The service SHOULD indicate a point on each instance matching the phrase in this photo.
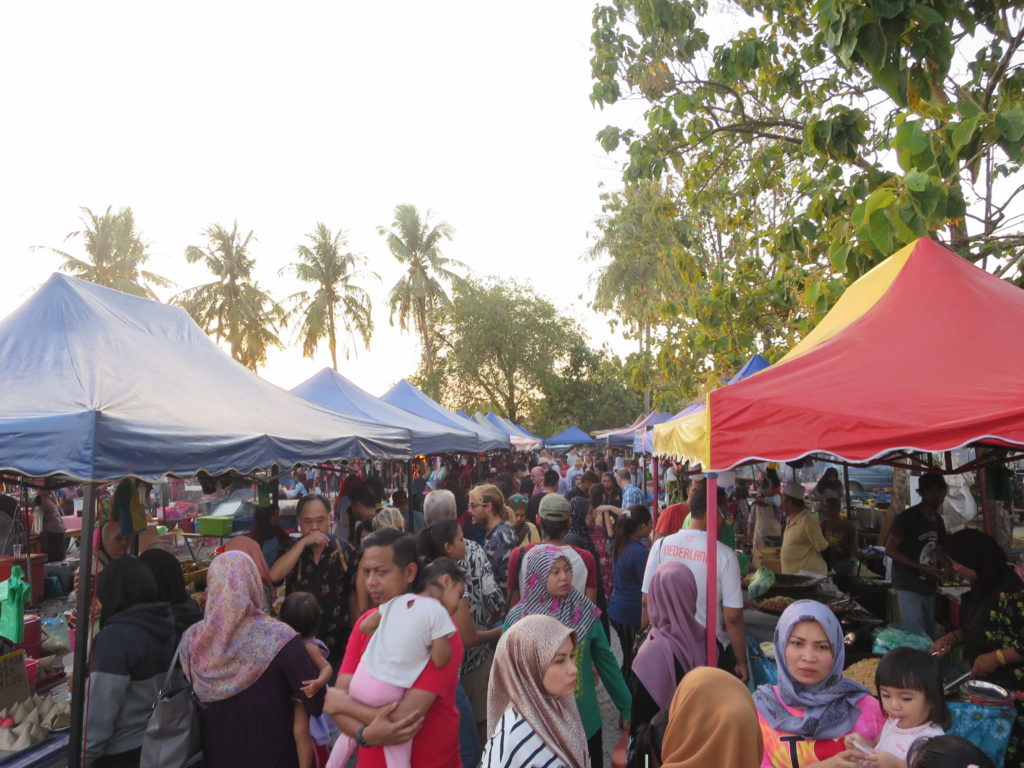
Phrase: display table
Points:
(50, 754)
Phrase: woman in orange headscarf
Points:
(712, 721)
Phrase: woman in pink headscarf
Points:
(245, 669)
(674, 646)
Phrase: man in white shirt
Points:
(689, 546)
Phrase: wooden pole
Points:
(76, 751)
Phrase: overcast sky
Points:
(282, 115)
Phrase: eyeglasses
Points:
(475, 504)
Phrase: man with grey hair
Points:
(438, 506)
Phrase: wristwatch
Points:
(360, 740)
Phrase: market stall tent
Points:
(407, 397)
(924, 353)
(520, 438)
(681, 432)
(98, 385)
(518, 442)
(332, 390)
(571, 436)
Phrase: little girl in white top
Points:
(408, 631)
(909, 686)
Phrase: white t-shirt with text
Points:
(690, 547)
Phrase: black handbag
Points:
(173, 737)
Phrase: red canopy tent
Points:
(923, 353)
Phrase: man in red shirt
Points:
(427, 713)
(671, 518)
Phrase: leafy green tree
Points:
(809, 146)
(336, 297)
(416, 243)
(708, 304)
(592, 390)
(497, 344)
(233, 307)
(115, 254)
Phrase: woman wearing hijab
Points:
(531, 714)
(712, 721)
(112, 544)
(266, 532)
(991, 620)
(170, 587)
(548, 591)
(245, 669)
(249, 547)
(131, 654)
(581, 525)
(675, 642)
(813, 701)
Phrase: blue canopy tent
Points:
(571, 436)
(407, 397)
(332, 390)
(462, 413)
(99, 385)
(518, 437)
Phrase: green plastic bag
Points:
(13, 593)
(763, 580)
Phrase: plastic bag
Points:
(763, 580)
(891, 637)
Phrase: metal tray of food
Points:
(791, 581)
(984, 692)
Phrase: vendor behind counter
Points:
(991, 620)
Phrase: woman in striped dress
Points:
(531, 711)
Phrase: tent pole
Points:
(846, 489)
(984, 497)
(83, 627)
(654, 507)
(711, 592)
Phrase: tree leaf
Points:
(915, 180)
(1010, 122)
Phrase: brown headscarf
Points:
(712, 721)
(523, 655)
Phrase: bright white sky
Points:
(282, 115)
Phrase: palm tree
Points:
(416, 244)
(328, 266)
(232, 307)
(116, 253)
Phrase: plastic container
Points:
(32, 641)
(215, 526)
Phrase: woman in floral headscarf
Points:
(245, 669)
(548, 591)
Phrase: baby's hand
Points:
(310, 688)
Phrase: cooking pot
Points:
(868, 518)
